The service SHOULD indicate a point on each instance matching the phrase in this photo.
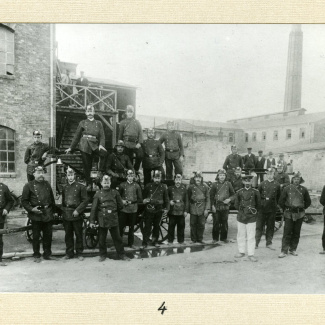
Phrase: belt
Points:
(111, 211)
(151, 156)
(294, 209)
(89, 136)
(172, 150)
(71, 206)
(41, 206)
(130, 138)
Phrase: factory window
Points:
(263, 136)
(231, 137)
(254, 136)
(246, 137)
(302, 133)
(6, 51)
(275, 135)
(7, 150)
(288, 134)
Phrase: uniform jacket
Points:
(74, 197)
(153, 154)
(199, 198)
(259, 162)
(249, 161)
(118, 163)
(270, 194)
(173, 144)
(247, 202)
(179, 195)
(105, 207)
(130, 131)
(322, 199)
(233, 161)
(6, 201)
(269, 163)
(87, 127)
(33, 155)
(282, 179)
(158, 195)
(38, 194)
(294, 197)
(84, 82)
(220, 192)
(131, 192)
(237, 183)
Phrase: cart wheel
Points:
(29, 232)
(90, 235)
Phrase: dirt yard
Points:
(191, 269)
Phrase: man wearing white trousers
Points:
(247, 202)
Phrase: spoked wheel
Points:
(29, 232)
(90, 235)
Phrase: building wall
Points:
(25, 96)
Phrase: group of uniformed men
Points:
(115, 205)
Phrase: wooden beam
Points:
(106, 122)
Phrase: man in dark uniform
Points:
(221, 194)
(237, 181)
(117, 165)
(232, 161)
(294, 200)
(82, 82)
(106, 204)
(38, 201)
(35, 154)
(174, 152)
(91, 138)
(130, 131)
(178, 210)
(199, 204)
(153, 156)
(74, 203)
(322, 202)
(249, 160)
(260, 160)
(157, 203)
(270, 194)
(131, 195)
(247, 202)
(281, 177)
(6, 203)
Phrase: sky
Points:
(207, 72)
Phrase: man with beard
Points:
(35, 154)
(294, 200)
(174, 152)
(91, 138)
(106, 204)
(157, 203)
(199, 204)
(221, 194)
(117, 165)
(249, 160)
(74, 203)
(153, 156)
(130, 131)
(38, 201)
(232, 162)
(237, 182)
(131, 195)
(281, 177)
(270, 194)
(178, 210)
(260, 160)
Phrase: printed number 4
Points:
(162, 308)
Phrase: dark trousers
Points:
(323, 237)
(220, 225)
(151, 222)
(87, 161)
(197, 227)
(30, 177)
(174, 221)
(169, 167)
(266, 219)
(46, 229)
(1, 242)
(136, 161)
(117, 240)
(73, 228)
(291, 234)
(260, 178)
(147, 174)
(127, 219)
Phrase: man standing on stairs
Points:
(91, 139)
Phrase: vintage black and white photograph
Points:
(162, 158)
